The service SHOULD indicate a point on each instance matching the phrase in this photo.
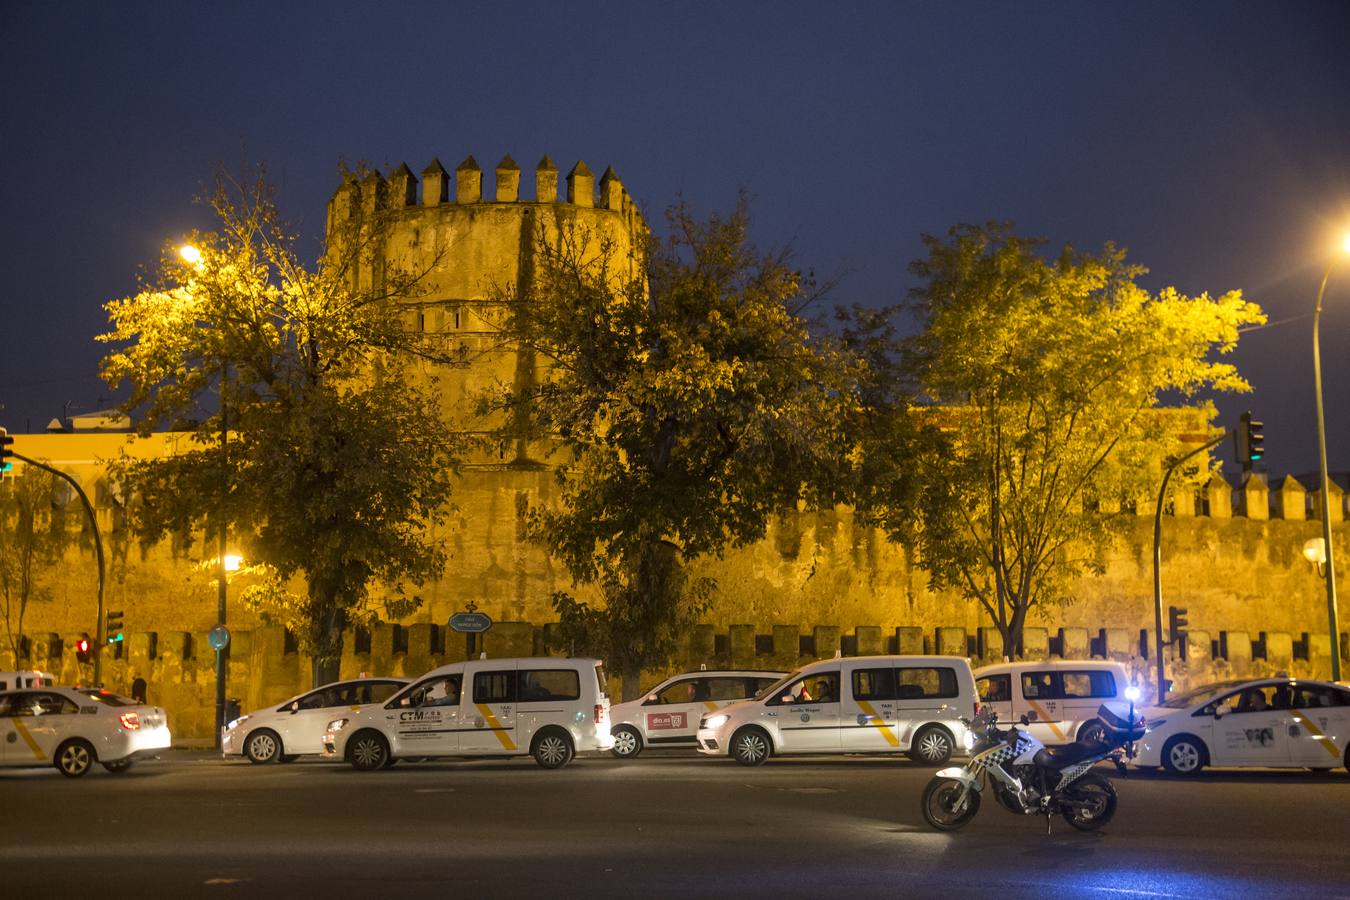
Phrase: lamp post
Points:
(1326, 484)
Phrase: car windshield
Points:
(1200, 695)
(768, 691)
(108, 698)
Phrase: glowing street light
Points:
(1326, 484)
(190, 254)
(233, 562)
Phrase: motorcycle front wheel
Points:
(1089, 803)
(940, 804)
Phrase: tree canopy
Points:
(310, 436)
(1041, 378)
(694, 403)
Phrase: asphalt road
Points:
(664, 825)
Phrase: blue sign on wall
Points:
(470, 622)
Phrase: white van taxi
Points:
(296, 726)
(29, 678)
(862, 704)
(668, 715)
(73, 728)
(550, 708)
(1064, 694)
(1268, 722)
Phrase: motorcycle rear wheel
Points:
(1089, 803)
(939, 802)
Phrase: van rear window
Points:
(549, 684)
(600, 678)
(929, 682)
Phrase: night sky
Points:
(1212, 140)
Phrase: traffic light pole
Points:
(1157, 560)
(98, 550)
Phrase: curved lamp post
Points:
(1326, 486)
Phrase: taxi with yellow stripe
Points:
(75, 728)
(1277, 722)
(912, 705)
(668, 715)
(1060, 696)
(550, 708)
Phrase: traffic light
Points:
(5, 453)
(1176, 624)
(1250, 441)
(82, 649)
(114, 629)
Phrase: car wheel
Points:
(552, 750)
(74, 757)
(627, 743)
(751, 747)
(932, 746)
(1092, 730)
(368, 751)
(1184, 755)
(118, 767)
(263, 747)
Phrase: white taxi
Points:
(73, 728)
(295, 727)
(1270, 722)
(668, 715)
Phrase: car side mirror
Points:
(651, 698)
(786, 698)
(1028, 717)
(295, 707)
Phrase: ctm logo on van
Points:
(420, 715)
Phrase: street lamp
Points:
(1326, 482)
(1315, 552)
(190, 254)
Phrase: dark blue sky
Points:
(1212, 140)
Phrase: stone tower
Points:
(479, 251)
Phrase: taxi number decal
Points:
(667, 720)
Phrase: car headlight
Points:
(715, 721)
(337, 725)
(239, 721)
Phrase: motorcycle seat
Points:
(1068, 755)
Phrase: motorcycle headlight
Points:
(337, 725)
(239, 721)
(969, 741)
(715, 721)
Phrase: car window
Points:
(722, 689)
(108, 698)
(538, 685)
(1254, 699)
(759, 685)
(818, 687)
(1042, 686)
(313, 700)
(935, 682)
(5, 702)
(1093, 683)
(378, 691)
(683, 691)
(1316, 696)
(874, 684)
(994, 688)
(494, 687)
(43, 704)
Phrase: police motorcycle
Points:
(1027, 778)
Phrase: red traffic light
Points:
(82, 648)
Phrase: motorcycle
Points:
(1027, 778)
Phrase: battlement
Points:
(400, 189)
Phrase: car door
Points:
(1318, 725)
(490, 715)
(11, 751)
(808, 714)
(1043, 694)
(45, 719)
(425, 718)
(868, 720)
(1083, 693)
(671, 714)
(1248, 729)
(301, 722)
(996, 693)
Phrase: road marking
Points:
(878, 723)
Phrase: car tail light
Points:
(978, 707)
(130, 721)
(599, 713)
